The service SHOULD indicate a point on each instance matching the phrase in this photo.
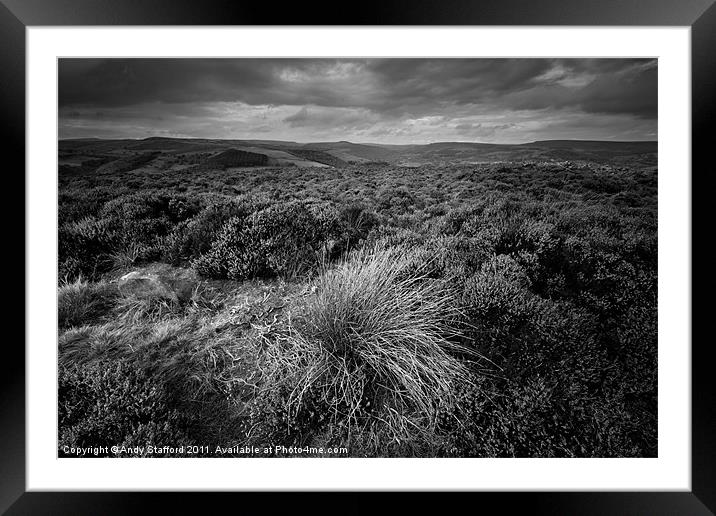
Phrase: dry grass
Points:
(81, 302)
(125, 257)
(199, 346)
(371, 345)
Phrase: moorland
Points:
(452, 299)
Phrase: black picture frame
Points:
(17, 15)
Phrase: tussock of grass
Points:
(371, 345)
(125, 257)
(81, 302)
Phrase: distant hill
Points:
(182, 152)
(236, 158)
(130, 162)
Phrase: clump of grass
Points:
(125, 257)
(371, 346)
(133, 309)
(81, 302)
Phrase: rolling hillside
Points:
(178, 153)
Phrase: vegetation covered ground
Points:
(497, 310)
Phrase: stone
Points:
(159, 281)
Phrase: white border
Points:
(671, 470)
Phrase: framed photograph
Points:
(447, 248)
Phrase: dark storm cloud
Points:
(401, 100)
(463, 81)
(122, 82)
(597, 86)
(418, 86)
(635, 93)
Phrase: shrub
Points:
(193, 238)
(558, 385)
(523, 333)
(525, 419)
(85, 247)
(282, 239)
(392, 236)
(126, 229)
(135, 206)
(545, 416)
(75, 206)
(400, 198)
(603, 183)
(111, 403)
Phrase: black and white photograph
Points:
(357, 257)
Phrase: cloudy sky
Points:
(360, 100)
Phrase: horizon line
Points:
(352, 142)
